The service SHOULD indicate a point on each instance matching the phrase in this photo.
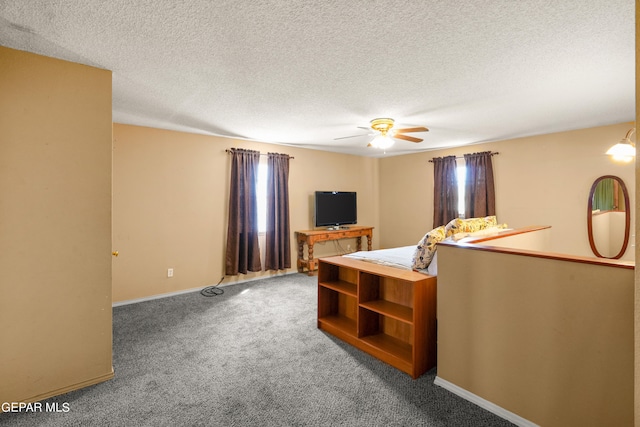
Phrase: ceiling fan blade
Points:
(351, 136)
(407, 138)
(416, 129)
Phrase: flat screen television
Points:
(335, 208)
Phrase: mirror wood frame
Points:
(627, 217)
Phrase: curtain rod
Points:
(262, 154)
(462, 157)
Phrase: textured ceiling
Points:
(306, 72)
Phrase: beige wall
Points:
(636, 207)
(55, 226)
(171, 199)
(540, 180)
(171, 196)
(550, 341)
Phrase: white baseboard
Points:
(467, 395)
(152, 297)
(187, 291)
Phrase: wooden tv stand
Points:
(310, 237)
(387, 312)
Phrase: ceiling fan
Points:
(385, 134)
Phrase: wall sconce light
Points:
(625, 150)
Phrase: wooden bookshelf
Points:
(387, 312)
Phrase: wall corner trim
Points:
(485, 404)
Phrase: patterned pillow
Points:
(490, 221)
(427, 248)
(470, 225)
(449, 228)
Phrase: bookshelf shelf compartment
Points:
(396, 311)
(391, 346)
(342, 287)
(340, 322)
(384, 311)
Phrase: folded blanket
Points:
(401, 257)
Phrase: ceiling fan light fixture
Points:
(382, 125)
(625, 150)
(382, 142)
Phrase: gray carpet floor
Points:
(252, 356)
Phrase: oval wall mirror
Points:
(608, 217)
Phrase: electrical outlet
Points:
(170, 272)
(348, 248)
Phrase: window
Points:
(261, 194)
(472, 178)
(461, 171)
